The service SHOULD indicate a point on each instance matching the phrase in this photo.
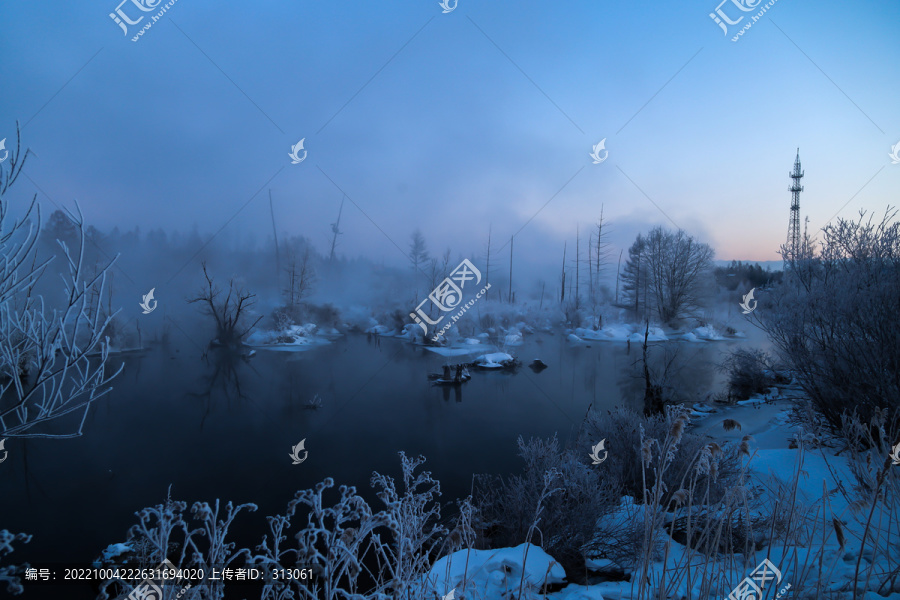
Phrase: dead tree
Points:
(301, 276)
(229, 314)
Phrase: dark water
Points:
(225, 430)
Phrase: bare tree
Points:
(680, 269)
(667, 273)
(47, 368)
(301, 276)
(562, 278)
(487, 272)
(229, 314)
(418, 256)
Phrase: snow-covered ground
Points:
(623, 332)
(293, 338)
(497, 574)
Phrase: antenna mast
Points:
(793, 236)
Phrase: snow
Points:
(291, 339)
(489, 574)
(580, 592)
(112, 552)
(708, 333)
(513, 339)
(495, 360)
(451, 351)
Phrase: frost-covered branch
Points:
(52, 357)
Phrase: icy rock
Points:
(537, 365)
(485, 573)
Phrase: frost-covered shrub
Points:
(748, 373)
(580, 496)
(621, 428)
(834, 318)
(10, 575)
(163, 533)
(355, 552)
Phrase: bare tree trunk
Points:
(509, 295)
(275, 235)
(618, 267)
(487, 271)
(577, 266)
(336, 230)
(562, 294)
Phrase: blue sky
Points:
(454, 122)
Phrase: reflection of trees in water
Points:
(222, 378)
(685, 372)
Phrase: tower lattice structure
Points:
(793, 237)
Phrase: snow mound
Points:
(472, 341)
(611, 333)
(495, 360)
(575, 339)
(495, 573)
(579, 592)
(708, 332)
(654, 335)
(112, 552)
(513, 339)
(294, 337)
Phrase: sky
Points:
(480, 118)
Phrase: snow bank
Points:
(293, 338)
(494, 573)
(612, 333)
(513, 339)
(708, 333)
(495, 360)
